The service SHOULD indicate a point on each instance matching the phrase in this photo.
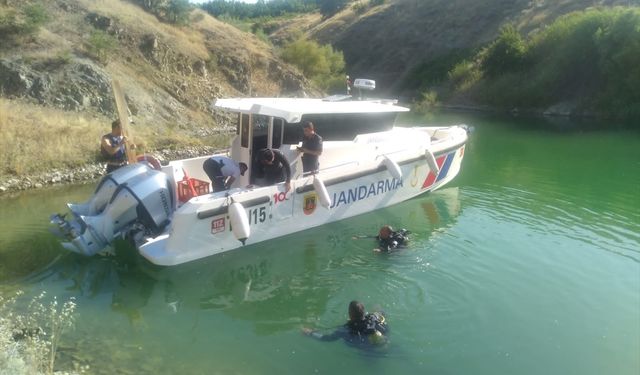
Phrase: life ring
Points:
(155, 164)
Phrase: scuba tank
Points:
(376, 328)
(372, 329)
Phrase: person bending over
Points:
(223, 171)
(274, 167)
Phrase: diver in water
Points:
(390, 240)
(362, 329)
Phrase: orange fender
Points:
(151, 160)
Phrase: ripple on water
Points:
(616, 229)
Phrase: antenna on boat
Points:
(364, 84)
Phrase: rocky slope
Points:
(170, 74)
(388, 42)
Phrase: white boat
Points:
(367, 164)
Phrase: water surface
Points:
(528, 263)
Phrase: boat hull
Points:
(202, 227)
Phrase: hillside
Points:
(55, 95)
(170, 75)
(389, 42)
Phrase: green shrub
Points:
(360, 7)
(435, 71)
(238, 23)
(428, 100)
(618, 50)
(22, 22)
(260, 34)
(333, 84)
(212, 64)
(330, 7)
(100, 45)
(35, 16)
(506, 53)
(587, 58)
(9, 24)
(313, 59)
(320, 63)
(464, 75)
(177, 12)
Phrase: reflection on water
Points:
(275, 287)
(530, 266)
(251, 283)
(26, 244)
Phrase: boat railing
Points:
(335, 166)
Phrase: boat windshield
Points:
(341, 126)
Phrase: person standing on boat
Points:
(223, 171)
(112, 147)
(362, 329)
(311, 148)
(274, 167)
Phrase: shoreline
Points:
(91, 172)
(87, 173)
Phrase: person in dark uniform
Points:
(274, 167)
(112, 147)
(389, 240)
(362, 329)
(223, 171)
(311, 148)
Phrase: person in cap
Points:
(223, 171)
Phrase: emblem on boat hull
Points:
(310, 202)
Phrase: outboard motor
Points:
(106, 188)
(142, 203)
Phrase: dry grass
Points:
(183, 40)
(35, 139)
(225, 37)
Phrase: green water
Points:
(528, 263)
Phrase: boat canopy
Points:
(292, 109)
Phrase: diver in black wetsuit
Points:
(390, 240)
(362, 329)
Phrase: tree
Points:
(178, 11)
(330, 7)
(506, 53)
(313, 59)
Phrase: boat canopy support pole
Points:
(270, 133)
